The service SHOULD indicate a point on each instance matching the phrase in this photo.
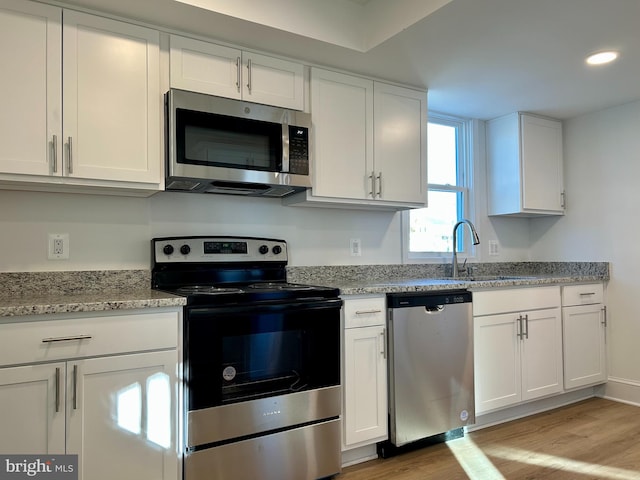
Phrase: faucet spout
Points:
(474, 238)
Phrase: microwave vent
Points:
(183, 185)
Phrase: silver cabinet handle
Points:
(379, 177)
(372, 180)
(383, 352)
(249, 75)
(70, 167)
(75, 387)
(519, 327)
(65, 339)
(54, 157)
(367, 312)
(587, 294)
(604, 322)
(562, 199)
(57, 389)
(526, 322)
(238, 70)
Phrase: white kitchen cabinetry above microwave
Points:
(102, 387)
(524, 166)
(369, 144)
(85, 110)
(229, 72)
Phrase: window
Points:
(428, 232)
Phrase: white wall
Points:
(602, 168)
(114, 232)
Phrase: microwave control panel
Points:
(298, 150)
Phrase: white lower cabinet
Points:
(364, 372)
(113, 406)
(518, 354)
(584, 324)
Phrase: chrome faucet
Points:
(475, 239)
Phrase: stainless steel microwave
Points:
(221, 145)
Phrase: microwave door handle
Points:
(285, 147)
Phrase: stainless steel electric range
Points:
(261, 366)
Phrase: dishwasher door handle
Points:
(433, 309)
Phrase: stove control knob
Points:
(185, 249)
(168, 249)
(263, 249)
(277, 249)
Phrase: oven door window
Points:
(222, 141)
(240, 354)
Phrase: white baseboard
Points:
(622, 390)
(359, 455)
(531, 408)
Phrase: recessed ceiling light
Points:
(601, 58)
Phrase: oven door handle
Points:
(288, 306)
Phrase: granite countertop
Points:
(382, 279)
(38, 293)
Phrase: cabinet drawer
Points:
(48, 340)
(364, 311)
(582, 294)
(515, 300)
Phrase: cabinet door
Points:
(272, 81)
(497, 361)
(541, 347)
(205, 67)
(400, 155)
(121, 415)
(112, 100)
(365, 385)
(32, 409)
(342, 115)
(584, 345)
(541, 151)
(30, 55)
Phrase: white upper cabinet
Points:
(31, 115)
(111, 94)
(107, 130)
(400, 119)
(369, 144)
(229, 72)
(525, 168)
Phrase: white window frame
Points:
(465, 184)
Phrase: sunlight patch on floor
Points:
(473, 460)
(566, 464)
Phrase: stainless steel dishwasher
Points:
(431, 388)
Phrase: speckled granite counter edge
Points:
(41, 293)
(363, 279)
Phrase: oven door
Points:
(253, 369)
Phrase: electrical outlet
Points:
(493, 248)
(58, 246)
(355, 247)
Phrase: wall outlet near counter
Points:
(355, 247)
(58, 246)
(493, 248)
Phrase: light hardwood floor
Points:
(593, 439)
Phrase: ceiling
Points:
(478, 58)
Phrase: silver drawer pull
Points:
(65, 339)
(367, 312)
(587, 294)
